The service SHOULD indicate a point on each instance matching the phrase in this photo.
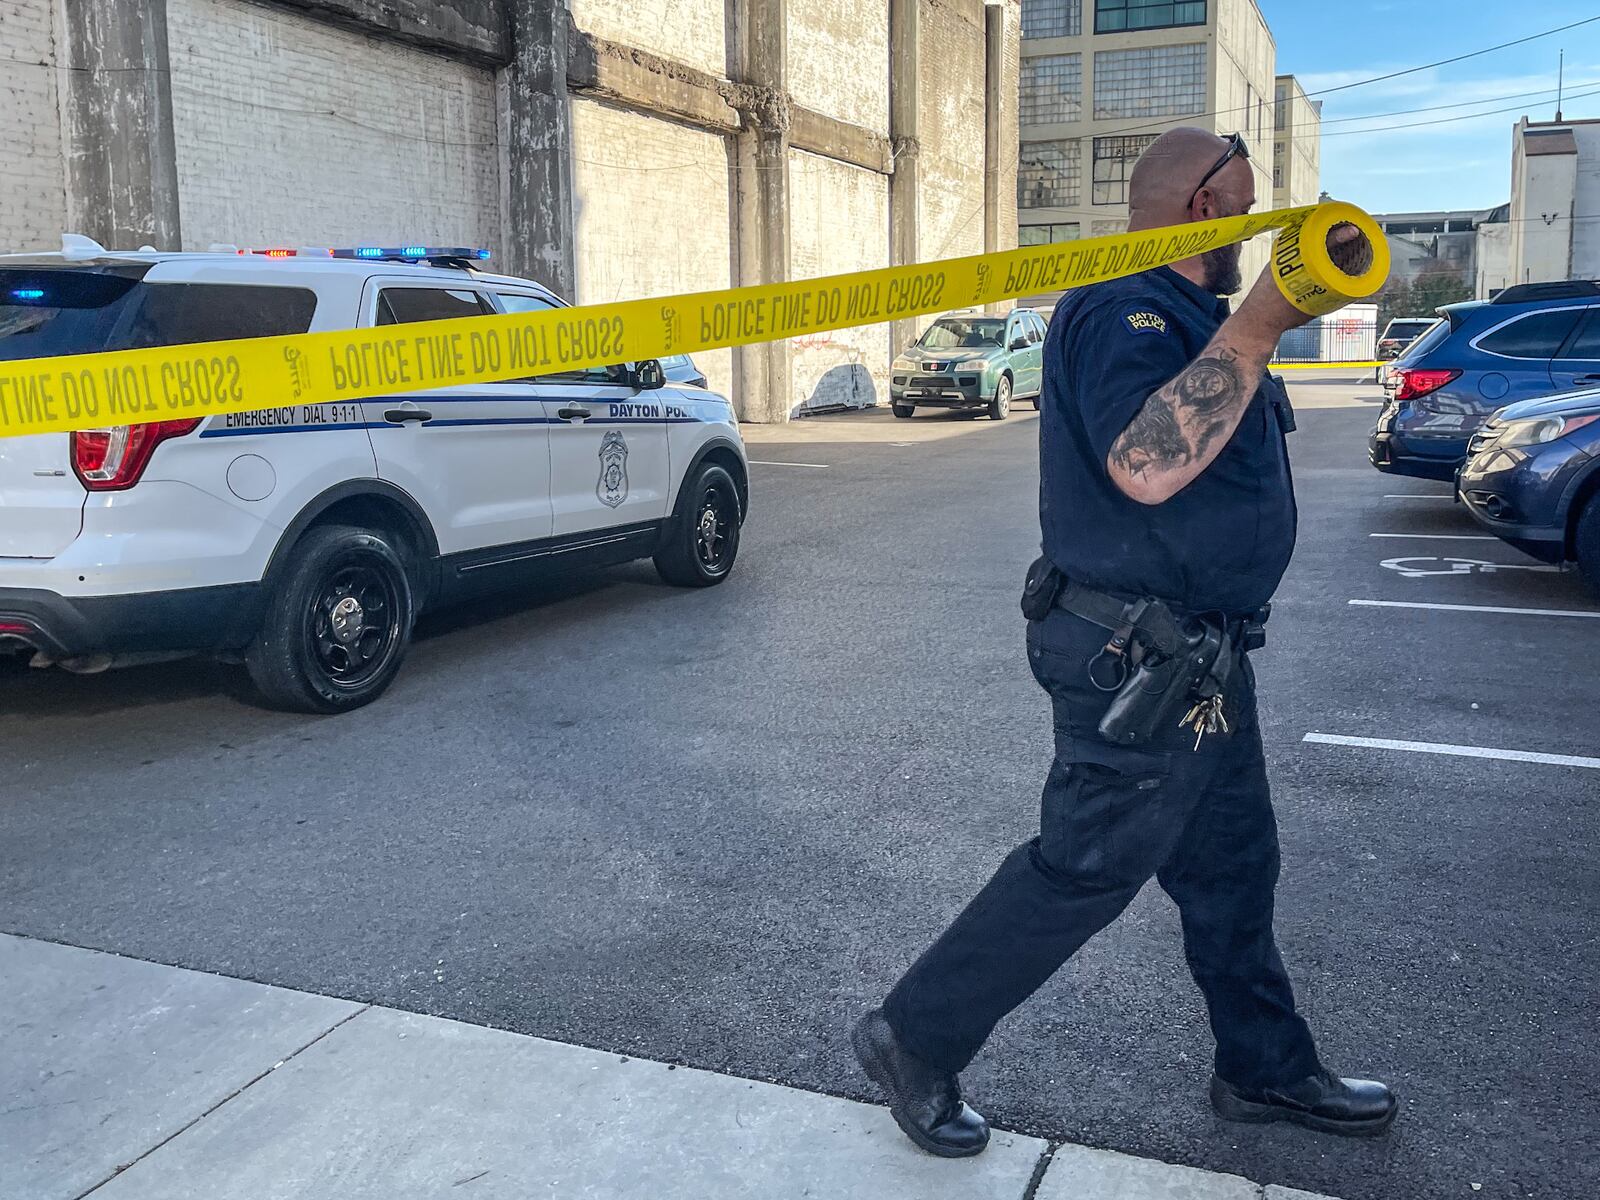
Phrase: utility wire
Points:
(1489, 112)
(1343, 87)
(1444, 62)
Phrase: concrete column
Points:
(539, 227)
(904, 126)
(761, 198)
(122, 164)
(994, 31)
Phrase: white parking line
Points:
(761, 462)
(1479, 608)
(1440, 537)
(1529, 756)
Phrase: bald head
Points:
(1168, 173)
(1165, 189)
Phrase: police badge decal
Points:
(613, 486)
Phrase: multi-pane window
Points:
(1113, 163)
(1280, 115)
(1152, 81)
(1115, 16)
(1049, 174)
(1041, 235)
(1052, 18)
(1052, 89)
(1277, 164)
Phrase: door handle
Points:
(1588, 379)
(573, 413)
(400, 416)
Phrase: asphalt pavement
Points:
(709, 827)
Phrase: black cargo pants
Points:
(1200, 821)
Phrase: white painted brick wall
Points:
(688, 31)
(839, 60)
(653, 214)
(33, 197)
(290, 131)
(839, 222)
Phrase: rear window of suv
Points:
(1538, 335)
(50, 312)
(1437, 332)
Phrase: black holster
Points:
(1159, 690)
(1156, 665)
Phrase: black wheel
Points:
(1000, 406)
(338, 622)
(1587, 543)
(702, 539)
(902, 410)
(1037, 404)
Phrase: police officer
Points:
(1164, 477)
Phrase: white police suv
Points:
(304, 541)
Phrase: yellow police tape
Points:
(127, 387)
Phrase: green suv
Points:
(971, 361)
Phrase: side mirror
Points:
(649, 375)
(1020, 342)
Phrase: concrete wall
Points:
(696, 32)
(33, 168)
(951, 105)
(1543, 195)
(839, 222)
(1586, 203)
(626, 165)
(839, 60)
(292, 130)
(1493, 255)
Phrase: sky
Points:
(1461, 164)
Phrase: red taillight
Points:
(1415, 382)
(110, 460)
(16, 627)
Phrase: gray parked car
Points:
(971, 361)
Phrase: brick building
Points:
(610, 149)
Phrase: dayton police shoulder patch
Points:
(1145, 321)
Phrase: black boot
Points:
(1352, 1107)
(924, 1101)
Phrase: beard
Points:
(1222, 274)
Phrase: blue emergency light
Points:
(412, 253)
(28, 294)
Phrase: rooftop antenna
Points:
(1561, 75)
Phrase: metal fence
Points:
(1349, 335)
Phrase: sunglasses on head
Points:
(1236, 149)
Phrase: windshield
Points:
(963, 333)
(50, 312)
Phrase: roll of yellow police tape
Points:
(129, 387)
(1305, 271)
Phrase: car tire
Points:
(1586, 543)
(902, 410)
(701, 541)
(1000, 406)
(1038, 404)
(338, 623)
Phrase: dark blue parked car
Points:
(1529, 341)
(1533, 477)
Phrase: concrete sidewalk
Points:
(126, 1079)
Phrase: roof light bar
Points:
(411, 253)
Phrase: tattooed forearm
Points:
(1182, 427)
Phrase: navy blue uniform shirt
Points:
(1222, 543)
